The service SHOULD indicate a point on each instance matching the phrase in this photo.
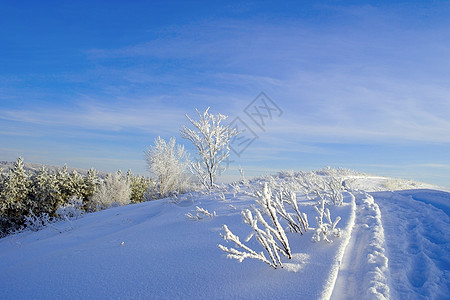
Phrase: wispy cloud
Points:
(342, 74)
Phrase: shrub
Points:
(113, 191)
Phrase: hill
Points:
(394, 244)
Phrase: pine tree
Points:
(45, 192)
(76, 185)
(14, 199)
(139, 186)
(91, 184)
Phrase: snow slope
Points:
(418, 242)
(394, 245)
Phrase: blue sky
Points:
(361, 85)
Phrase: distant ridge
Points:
(5, 166)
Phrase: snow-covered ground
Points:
(395, 245)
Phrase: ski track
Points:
(418, 244)
(364, 272)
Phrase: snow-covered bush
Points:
(322, 187)
(200, 213)
(71, 210)
(264, 238)
(168, 163)
(297, 221)
(211, 139)
(325, 230)
(244, 181)
(36, 223)
(271, 237)
(113, 191)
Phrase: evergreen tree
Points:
(76, 185)
(64, 185)
(45, 192)
(14, 200)
(91, 184)
(139, 186)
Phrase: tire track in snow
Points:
(418, 244)
(364, 272)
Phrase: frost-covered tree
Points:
(211, 139)
(14, 196)
(76, 185)
(45, 192)
(64, 185)
(168, 162)
(91, 184)
(113, 191)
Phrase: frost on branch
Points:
(114, 190)
(200, 213)
(268, 207)
(71, 210)
(241, 255)
(36, 223)
(324, 188)
(168, 162)
(265, 238)
(297, 221)
(211, 138)
(324, 230)
(271, 237)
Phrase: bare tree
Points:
(211, 138)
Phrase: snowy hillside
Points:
(394, 245)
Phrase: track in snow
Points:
(364, 272)
(418, 242)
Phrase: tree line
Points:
(24, 193)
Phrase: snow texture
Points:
(394, 245)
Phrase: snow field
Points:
(395, 245)
(152, 250)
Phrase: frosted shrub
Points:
(36, 223)
(271, 237)
(71, 210)
(200, 213)
(325, 230)
(248, 252)
(113, 191)
(335, 186)
(324, 188)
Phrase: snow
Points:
(418, 242)
(364, 272)
(395, 245)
